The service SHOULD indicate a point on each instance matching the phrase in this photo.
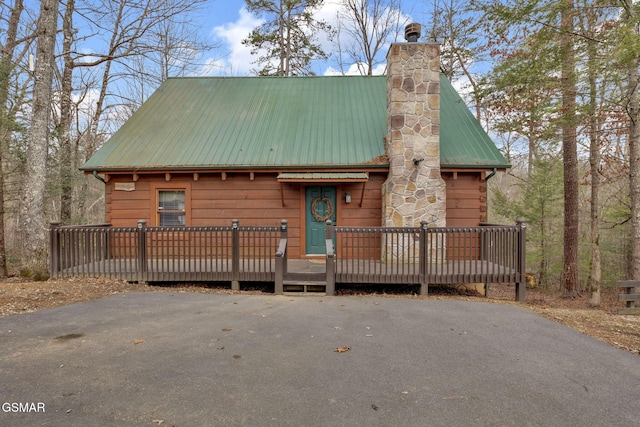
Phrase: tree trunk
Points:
(595, 273)
(634, 166)
(33, 230)
(542, 274)
(5, 131)
(67, 151)
(570, 154)
(633, 110)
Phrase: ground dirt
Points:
(622, 331)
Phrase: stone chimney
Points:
(414, 191)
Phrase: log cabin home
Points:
(390, 150)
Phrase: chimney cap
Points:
(412, 32)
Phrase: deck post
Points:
(142, 251)
(330, 287)
(522, 261)
(424, 285)
(235, 255)
(484, 250)
(54, 250)
(281, 259)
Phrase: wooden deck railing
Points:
(158, 254)
(431, 255)
(421, 255)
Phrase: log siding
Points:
(252, 197)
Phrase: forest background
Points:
(555, 83)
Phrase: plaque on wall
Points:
(125, 186)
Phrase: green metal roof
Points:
(254, 122)
(463, 141)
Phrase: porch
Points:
(381, 255)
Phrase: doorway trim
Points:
(324, 198)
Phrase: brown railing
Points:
(431, 255)
(421, 255)
(157, 254)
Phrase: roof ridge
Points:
(272, 77)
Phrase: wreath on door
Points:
(314, 209)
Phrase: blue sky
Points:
(227, 22)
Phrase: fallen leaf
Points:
(374, 407)
(140, 341)
(342, 349)
(453, 397)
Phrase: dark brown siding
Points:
(125, 208)
(370, 214)
(214, 201)
(466, 198)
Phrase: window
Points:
(170, 204)
(171, 207)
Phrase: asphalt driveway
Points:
(186, 359)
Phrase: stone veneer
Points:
(414, 191)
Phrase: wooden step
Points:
(304, 287)
(305, 277)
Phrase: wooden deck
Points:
(448, 272)
(409, 255)
(301, 270)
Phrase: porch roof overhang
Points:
(323, 177)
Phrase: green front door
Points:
(320, 206)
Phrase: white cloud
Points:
(88, 56)
(329, 13)
(239, 59)
(213, 66)
(357, 69)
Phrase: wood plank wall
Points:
(258, 201)
(466, 198)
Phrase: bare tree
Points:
(138, 32)
(630, 58)
(64, 126)
(32, 219)
(7, 115)
(455, 26)
(595, 273)
(365, 28)
(594, 131)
